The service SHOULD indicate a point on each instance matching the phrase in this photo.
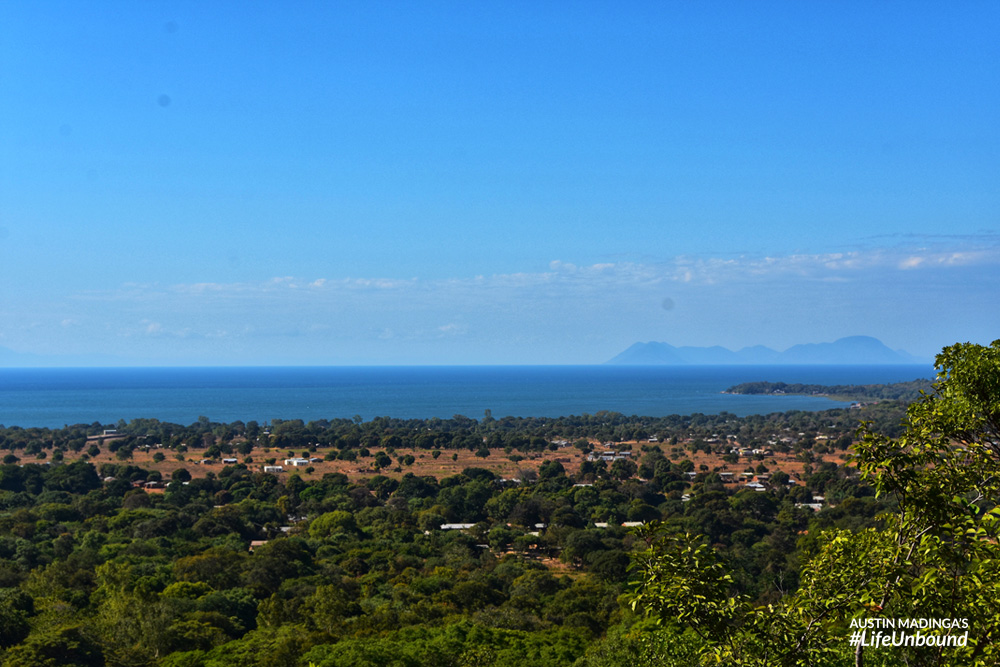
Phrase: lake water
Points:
(54, 397)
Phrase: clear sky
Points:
(518, 182)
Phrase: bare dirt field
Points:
(450, 462)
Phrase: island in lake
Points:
(898, 391)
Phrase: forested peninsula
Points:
(594, 540)
(897, 391)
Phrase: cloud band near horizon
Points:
(917, 298)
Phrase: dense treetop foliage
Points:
(932, 553)
(116, 564)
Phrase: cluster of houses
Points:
(816, 505)
(297, 462)
(302, 462)
(539, 527)
(610, 456)
(750, 480)
(746, 451)
(140, 484)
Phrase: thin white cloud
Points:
(827, 266)
(949, 259)
(500, 309)
(596, 304)
(453, 329)
(566, 277)
(378, 283)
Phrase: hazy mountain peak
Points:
(847, 350)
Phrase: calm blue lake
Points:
(54, 397)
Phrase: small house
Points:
(456, 526)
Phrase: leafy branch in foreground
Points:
(935, 556)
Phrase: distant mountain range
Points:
(850, 350)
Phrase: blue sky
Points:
(454, 182)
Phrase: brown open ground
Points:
(444, 466)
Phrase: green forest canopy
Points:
(97, 570)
